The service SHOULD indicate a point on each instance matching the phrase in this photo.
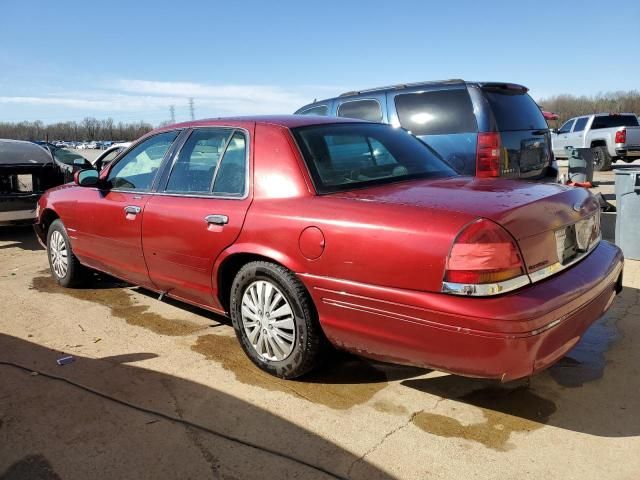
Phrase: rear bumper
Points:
(504, 337)
(18, 209)
(630, 151)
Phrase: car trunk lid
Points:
(531, 212)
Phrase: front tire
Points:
(601, 159)
(66, 270)
(275, 321)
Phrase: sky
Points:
(131, 60)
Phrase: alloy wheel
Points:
(59, 254)
(268, 321)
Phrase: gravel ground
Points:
(161, 390)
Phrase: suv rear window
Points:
(515, 111)
(610, 121)
(439, 112)
(348, 156)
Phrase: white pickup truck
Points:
(609, 135)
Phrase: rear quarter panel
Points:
(385, 245)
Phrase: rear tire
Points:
(275, 320)
(601, 159)
(66, 269)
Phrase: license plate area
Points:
(24, 183)
(575, 240)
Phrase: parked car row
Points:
(101, 145)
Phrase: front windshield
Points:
(66, 156)
(353, 155)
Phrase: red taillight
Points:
(483, 252)
(621, 136)
(488, 155)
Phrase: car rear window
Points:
(611, 121)
(515, 111)
(347, 156)
(439, 112)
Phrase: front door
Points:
(113, 214)
(197, 213)
(561, 139)
(576, 137)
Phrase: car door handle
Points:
(216, 219)
(132, 210)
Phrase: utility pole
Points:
(172, 113)
(192, 109)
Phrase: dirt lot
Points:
(216, 416)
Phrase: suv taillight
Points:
(621, 136)
(483, 257)
(488, 155)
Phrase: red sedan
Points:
(310, 231)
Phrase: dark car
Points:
(308, 230)
(487, 129)
(26, 170)
(73, 161)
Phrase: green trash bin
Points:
(628, 212)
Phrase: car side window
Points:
(580, 124)
(362, 110)
(195, 167)
(109, 157)
(212, 161)
(137, 169)
(231, 177)
(322, 110)
(566, 128)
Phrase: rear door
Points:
(524, 133)
(197, 212)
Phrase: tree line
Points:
(565, 105)
(568, 106)
(86, 130)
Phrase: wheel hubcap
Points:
(59, 254)
(268, 321)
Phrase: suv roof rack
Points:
(401, 86)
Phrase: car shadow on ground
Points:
(22, 237)
(339, 368)
(558, 396)
(104, 423)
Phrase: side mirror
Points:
(79, 162)
(86, 178)
(554, 130)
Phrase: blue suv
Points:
(487, 129)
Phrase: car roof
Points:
(21, 152)
(287, 121)
(418, 85)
